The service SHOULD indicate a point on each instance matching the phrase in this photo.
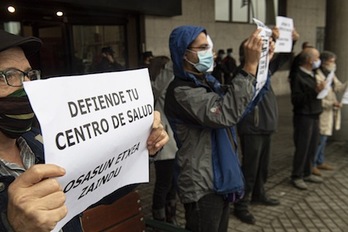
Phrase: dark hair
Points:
(147, 54)
(221, 51)
(107, 50)
(306, 44)
(327, 55)
(156, 65)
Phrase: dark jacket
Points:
(230, 66)
(264, 118)
(105, 66)
(303, 94)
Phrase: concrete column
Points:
(336, 41)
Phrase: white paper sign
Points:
(285, 26)
(262, 71)
(345, 98)
(323, 93)
(210, 43)
(96, 127)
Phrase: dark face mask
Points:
(16, 114)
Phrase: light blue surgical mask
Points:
(205, 60)
(316, 64)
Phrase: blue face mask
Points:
(205, 60)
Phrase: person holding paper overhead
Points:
(331, 115)
(31, 199)
(202, 114)
(255, 133)
(306, 111)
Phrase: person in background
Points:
(157, 65)
(31, 197)
(331, 115)
(295, 62)
(164, 193)
(305, 45)
(218, 71)
(255, 132)
(202, 114)
(306, 111)
(108, 62)
(230, 66)
(146, 58)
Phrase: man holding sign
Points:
(255, 133)
(31, 197)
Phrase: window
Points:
(13, 27)
(89, 41)
(319, 44)
(245, 10)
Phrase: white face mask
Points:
(316, 64)
(210, 42)
(331, 67)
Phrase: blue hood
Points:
(180, 38)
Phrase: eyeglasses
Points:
(203, 48)
(15, 77)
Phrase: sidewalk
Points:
(323, 207)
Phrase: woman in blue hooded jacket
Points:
(202, 114)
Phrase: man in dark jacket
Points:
(202, 115)
(306, 112)
(255, 131)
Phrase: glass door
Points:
(88, 42)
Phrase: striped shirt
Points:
(28, 159)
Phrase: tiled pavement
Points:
(323, 207)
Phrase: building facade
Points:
(309, 18)
(73, 39)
